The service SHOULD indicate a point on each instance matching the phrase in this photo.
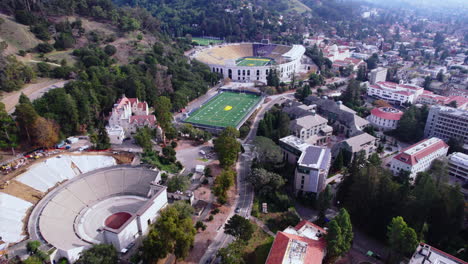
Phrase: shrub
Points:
(44, 47)
(22, 53)
(33, 246)
(210, 218)
(24, 17)
(110, 50)
(215, 211)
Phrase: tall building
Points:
(446, 122)
(458, 165)
(303, 244)
(312, 170)
(378, 75)
(313, 164)
(418, 157)
(426, 254)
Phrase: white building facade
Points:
(458, 165)
(127, 115)
(378, 75)
(385, 118)
(418, 157)
(447, 122)
(395, 93)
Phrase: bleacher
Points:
(47, 174)
(12, 212)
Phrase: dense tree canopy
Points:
(99, 254)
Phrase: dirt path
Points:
(32, 90)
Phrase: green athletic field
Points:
(205, 41)
(225, 109)
(253, 62)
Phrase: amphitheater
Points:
(89, 200)
(229, 60)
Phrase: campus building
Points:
(431, 98)
(395, 93)
(418, 157)
(446, 122)
(426, 254)
(458, 165)
(127, 115)
(385, 118)
(342, 119)
(378, 75)
(363, 142)
(313, 164)
(303, 244)
(313, 129)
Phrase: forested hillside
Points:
(232, 20)
(98, 79)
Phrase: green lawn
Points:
(206, 42)
(253, 62)
(225, 109)
(258, 247)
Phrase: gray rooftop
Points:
(315, 157)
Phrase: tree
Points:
(372, 61)
(8, 131)
(233, 253)
(455, 145)
(143, 138)
(239, 227)
(26, 116)
(173, 232)
(99, 254)
(227, 147)
(267, 151)
(381, 103)
(265, 182)
(427, 83)
(100, 139)
(178, 183)
(162, 111)
(46, 132)
(110, 50)
(200, 225)
(222, 183)
(32, 246)
(44, 47)
(334, 239)
(440, 76)
(401, 238)
(339, 162)
(344, 222)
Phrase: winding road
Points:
(245, 193)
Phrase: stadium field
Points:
(225, 109)
(253, 62)
(206, 41)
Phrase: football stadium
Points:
(227, 108)
(245, 62)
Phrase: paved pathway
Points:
(262, 225)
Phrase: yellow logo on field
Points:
(227, 108)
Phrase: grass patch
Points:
(159, 162)
(202, 159)
(17, 35)
(258, 247)
(206, 41)
(225, 109)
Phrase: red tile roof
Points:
(384, 113)
(444, 253)
(143, 120)
(314, 253)
(416, 157)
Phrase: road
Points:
(245, 193)
(32, 91)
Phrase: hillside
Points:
(17, 36)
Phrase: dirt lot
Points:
(22, 191)
(32, 90)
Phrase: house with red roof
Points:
(303, 244)
(426, 254)
(418, 157)
(127, 115)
